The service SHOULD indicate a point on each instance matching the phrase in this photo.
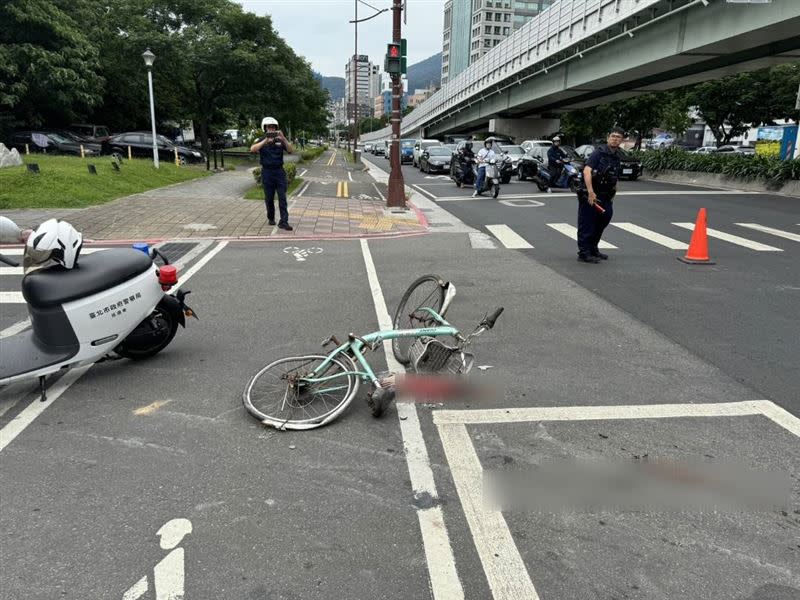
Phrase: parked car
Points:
(731, 149)
(220, 141)
(379, 149)
(234, 133)
(51, 143)
(419, 147)
(435, 159)
(661, 141)
(94, 133)
(368, 147)
(705, 150)
(630, 165)
(528, 144)
(141, 145)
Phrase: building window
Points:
(505, 30)
(497, 31)
(488, 29)
(507, 17)
(498, 16)
(488, 16)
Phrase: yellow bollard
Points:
(129, 152)
(27, 149)
(82, 154)
(177, 164)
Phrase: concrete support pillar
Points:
(527, 128)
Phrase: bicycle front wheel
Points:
(427, 291)
(283, 396)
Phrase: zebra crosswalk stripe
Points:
(653, 236)
(733, 239)
(777, 232)
(572, 232)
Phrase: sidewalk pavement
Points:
(336, 199)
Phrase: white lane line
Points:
(596, 413)
(303, 190)
(481, 241)
(778, 232)
(11, 298)
(15, 328)
(303, 172)
(505, 571)
(647, 234)
(18, 424)
(566, 194)
(349, 176)
(572, 233)
(508, 237)
(425, 192)
(444, 581)
(11, 271)
(35, 408)
(377, 189)
(733, 239)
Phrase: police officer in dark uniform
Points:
(595, 207)
(271, 148)
(555, 160)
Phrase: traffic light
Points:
(393, 63)
(403, 52)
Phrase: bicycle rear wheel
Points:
(280, 396)
(427, 291)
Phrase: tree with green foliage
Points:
(48, 65)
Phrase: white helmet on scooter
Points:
(268, 121)
(57, 240)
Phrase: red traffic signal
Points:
(393, 50)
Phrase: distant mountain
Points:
(334, 85)
(426, 73)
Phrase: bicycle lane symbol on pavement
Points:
(168, 575)
(300, 254)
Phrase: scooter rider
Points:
(555, 160)
(485, 155)
(465, 155)
(271, 148)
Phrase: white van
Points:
(420, 146)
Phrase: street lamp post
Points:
(149, 58)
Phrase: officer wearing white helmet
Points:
(271, 148)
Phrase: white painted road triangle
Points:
(653, 236)
(508, 237)
(778, 232)
(733, 239)
(572, 232)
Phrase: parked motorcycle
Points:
(462, 171)
(110, 304)
(506, 168)
(570, 178)
(491, 183)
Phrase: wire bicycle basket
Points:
(429, 355)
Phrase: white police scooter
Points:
(113, 301)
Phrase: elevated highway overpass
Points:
(579, 53)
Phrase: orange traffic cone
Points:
(697, 254)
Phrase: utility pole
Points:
(397, 196)
(355, 84)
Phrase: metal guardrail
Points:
(563, 25)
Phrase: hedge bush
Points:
(290, 168)
(312, 153)
(750, 168)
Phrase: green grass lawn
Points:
(257, 192)
(65, 181)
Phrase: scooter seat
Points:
(94, 273)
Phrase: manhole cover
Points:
(174, 250)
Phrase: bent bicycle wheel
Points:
(280, 395)
(427, 291)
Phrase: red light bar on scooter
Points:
(167, 276)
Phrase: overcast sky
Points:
(319, 29)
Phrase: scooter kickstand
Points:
(42, 388)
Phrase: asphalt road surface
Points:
(739, 314)
(389, 509)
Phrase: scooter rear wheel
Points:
(161, 326)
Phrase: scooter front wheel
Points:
(496, 191)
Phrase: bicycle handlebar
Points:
(490, 320)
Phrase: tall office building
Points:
(359, 68)
(473, 27)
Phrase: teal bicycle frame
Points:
(355, 345)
